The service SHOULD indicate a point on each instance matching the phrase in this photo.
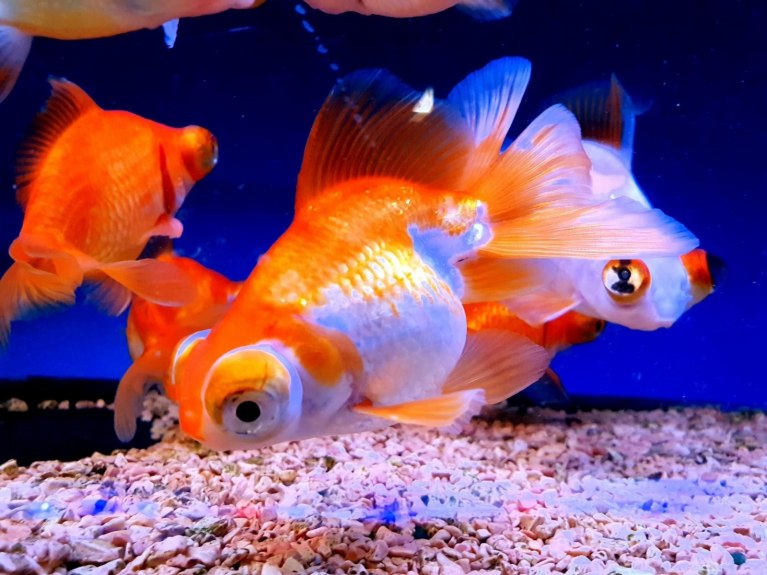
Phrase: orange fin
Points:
(155, 281)
(448, 410)
(25, 289)
(541, 204)
(494, 279)
(547, 392)
(499, 362)
(373, 125)
(129, 400)
(67, 103)
(489, 99)
(14, 49)
(537, 308)
(605, 113)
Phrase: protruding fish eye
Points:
(626, 281)
(248, 392)
(182, 351)
(199, 151)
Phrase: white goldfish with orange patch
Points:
(354, 318)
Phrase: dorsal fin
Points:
(373, 125)
(67, 103)
(605, 113)
(489, 99)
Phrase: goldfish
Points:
(480, 9)
(644, 293)
(95, 185)
(20, 20)
(154, 330)
(353, 319)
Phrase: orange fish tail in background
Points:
(154, 330)
(95, 185)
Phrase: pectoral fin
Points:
(170, 29)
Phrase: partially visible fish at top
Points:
(480, 9)
(353, 320)
(95, 185)
(154, 330)
(20, 20)
(647, 292)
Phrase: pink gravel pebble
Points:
(612, 494)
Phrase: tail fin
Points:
(484, 10)
(25, 289)
(14, 48)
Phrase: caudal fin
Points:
(14, 48)
(25, 289)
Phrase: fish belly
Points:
(409, 337)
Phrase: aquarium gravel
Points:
(536, 491)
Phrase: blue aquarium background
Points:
(256, 79)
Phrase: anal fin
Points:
(449, 410)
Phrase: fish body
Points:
(481, 9)
(20, 20)
(354, 318)
(153, 331)
(647, 292)
(571, 328)
(95, 185)
(82, 19)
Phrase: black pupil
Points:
(248, 411)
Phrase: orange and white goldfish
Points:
(95, 185)
(353, 320)
(481, 9)
(644, 293)
(20, 20)
(153, 331)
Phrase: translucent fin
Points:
(371, 126)
(541, 204)
(442, 411)
(538, 308)
(499, 362)
(129, 399)
(67, 103)
(109, 295)
(606, 115)
(155, 281)
(489, 99)
(494, 279)
(170, 32)
(25, 289)
(487, 9)
(14, 49)
(548, 392)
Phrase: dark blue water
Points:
(256, 79)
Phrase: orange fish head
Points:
(578, 328)
(199, 151)
(251, 396)
(706, 271)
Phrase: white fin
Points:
(14, 48)
(487, 9)
(170, 30)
